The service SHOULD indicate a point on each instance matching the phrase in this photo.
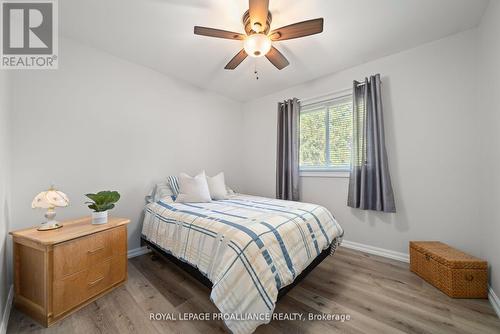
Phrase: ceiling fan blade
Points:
(297, 30)
(258, 10)
(233, 63)
(211, 32)
(277, 59)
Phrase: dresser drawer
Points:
(76, 255)
(77, 288)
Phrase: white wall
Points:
(99, 122)
(5, 280)
(431, 118)
(490, 107)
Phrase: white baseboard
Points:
(404, 257)
(6, 312)
(136, 252)
(494, 301)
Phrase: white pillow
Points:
(193, 189)
(230, 191)
(217, 186)
(161, 191)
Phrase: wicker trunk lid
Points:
(457, 274)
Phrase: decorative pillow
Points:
(161, 191)
(193, 189)
(173, 182)
(217, 186)
(230, 191)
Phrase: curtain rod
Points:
(339, 93)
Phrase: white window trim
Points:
(316, 100)
(312, 173)
(326, 97)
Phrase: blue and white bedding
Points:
(249, 247)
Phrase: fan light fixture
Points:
(258, 36)
(257, 45)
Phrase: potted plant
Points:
(101, 203)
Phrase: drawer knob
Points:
(469, 277)
(96, 281)
(95, 250)
(427, 257)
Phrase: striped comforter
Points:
(249, 247)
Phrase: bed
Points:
(249, 250)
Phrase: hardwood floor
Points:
(380, 295)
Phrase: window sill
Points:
(323, 174)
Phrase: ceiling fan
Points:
(259, 37)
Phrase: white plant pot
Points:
(99, 218)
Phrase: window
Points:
(326, 135)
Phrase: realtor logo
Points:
(29, 34)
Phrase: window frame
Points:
(326, 100)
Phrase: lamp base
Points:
(49, 226)
(51, 223)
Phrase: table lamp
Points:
(49, 200)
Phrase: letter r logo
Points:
(27, 28)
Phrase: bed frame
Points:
(198, 275)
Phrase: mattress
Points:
(249, 247)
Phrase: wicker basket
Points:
(457, 274)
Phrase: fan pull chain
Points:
(256, 72)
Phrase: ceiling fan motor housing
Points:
(265, 27)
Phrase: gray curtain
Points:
(287, 163)
(370, 185)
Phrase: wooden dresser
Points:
(59, 271)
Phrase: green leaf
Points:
(103, 200)
(93, 197)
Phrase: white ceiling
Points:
(159, 34)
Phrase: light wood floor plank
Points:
(380, 295)
(150, 300)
